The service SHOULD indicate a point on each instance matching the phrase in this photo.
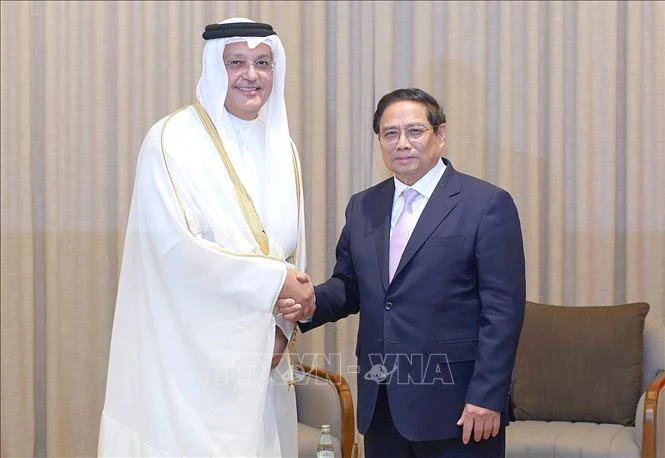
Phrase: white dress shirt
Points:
(425, 187)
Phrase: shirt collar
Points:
(243, 125)
(426, 185)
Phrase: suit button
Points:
(388, 305)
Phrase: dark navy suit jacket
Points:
(444, 332)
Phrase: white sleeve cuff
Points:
(285, 326)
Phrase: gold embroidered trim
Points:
(296, 173)
(182, 207)
(296, 170)
(168, 170)
(244, 200)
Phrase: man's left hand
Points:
(482, 422)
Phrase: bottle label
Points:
(325, 454)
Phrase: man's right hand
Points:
(299, 289)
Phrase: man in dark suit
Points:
(433, 261)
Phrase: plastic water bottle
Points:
(325, 447)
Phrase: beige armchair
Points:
(323, 397)
(576, 387)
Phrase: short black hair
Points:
(435, 114)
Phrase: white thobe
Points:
(189, 369)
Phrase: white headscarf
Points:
(213, 84)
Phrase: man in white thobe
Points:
(215, 236)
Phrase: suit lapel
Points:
(438, 207)
(383, 206)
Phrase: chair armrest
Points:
(347, 421)
(650, 422)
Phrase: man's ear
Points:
(441, 131)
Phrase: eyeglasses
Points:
(263, 66)
(390, 137)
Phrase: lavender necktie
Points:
(401, 232)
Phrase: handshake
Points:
(296, 301)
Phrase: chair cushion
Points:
(579, 363)
(541, 439)
(308, 440)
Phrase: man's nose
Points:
(250, 72)
(403, 141)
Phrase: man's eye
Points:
(415, 132)
(235, 63)
(262, 64)
(390, 134)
